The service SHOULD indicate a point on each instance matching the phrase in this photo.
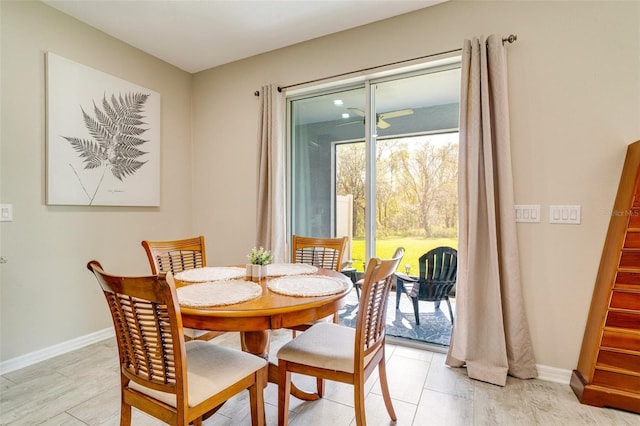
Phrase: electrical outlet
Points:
(6, 212)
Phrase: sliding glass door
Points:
(378, 162)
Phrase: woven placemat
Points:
(280, 269)
(308, 285)
(217, 293)
(210, 273)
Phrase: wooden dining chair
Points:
(176, 256)
(324, 253)
(340, 353)
(176, 382)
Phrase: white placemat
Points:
(280, 269)
(210, 273)
(308, 285)
(217, 293)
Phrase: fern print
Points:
(116, 143)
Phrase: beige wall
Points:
(575, 103)
(47, 295)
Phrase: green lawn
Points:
(414, 247)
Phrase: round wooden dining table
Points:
(255, 319)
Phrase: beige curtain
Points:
(271, 209)
(491, 335)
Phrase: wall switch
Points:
(565, 214)
(528, 213)
(6, 212)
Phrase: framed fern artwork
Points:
(103, 138)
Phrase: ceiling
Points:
(198, 35)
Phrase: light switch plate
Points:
(565, 214)
(6, 212)
(528, 213)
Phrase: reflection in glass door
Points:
(316, 123)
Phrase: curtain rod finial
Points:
(510, 39)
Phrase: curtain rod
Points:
(510, 39)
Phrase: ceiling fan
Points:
(380, 118)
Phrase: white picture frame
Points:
(103, 138)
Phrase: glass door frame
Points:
(370, 137)
(369, 84)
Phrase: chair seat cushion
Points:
(210, 370)
(325, 345)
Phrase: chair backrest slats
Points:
(178, 261)
(370, 323)
(176, 255)
(148, 327)
(321, 252)
(438, 273)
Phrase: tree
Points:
(429, 178)
(416, 185)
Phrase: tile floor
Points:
(81, 388)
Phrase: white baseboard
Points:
(553, 374)
(55, 350)
(545, 372)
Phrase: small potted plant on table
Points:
(259, 258)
